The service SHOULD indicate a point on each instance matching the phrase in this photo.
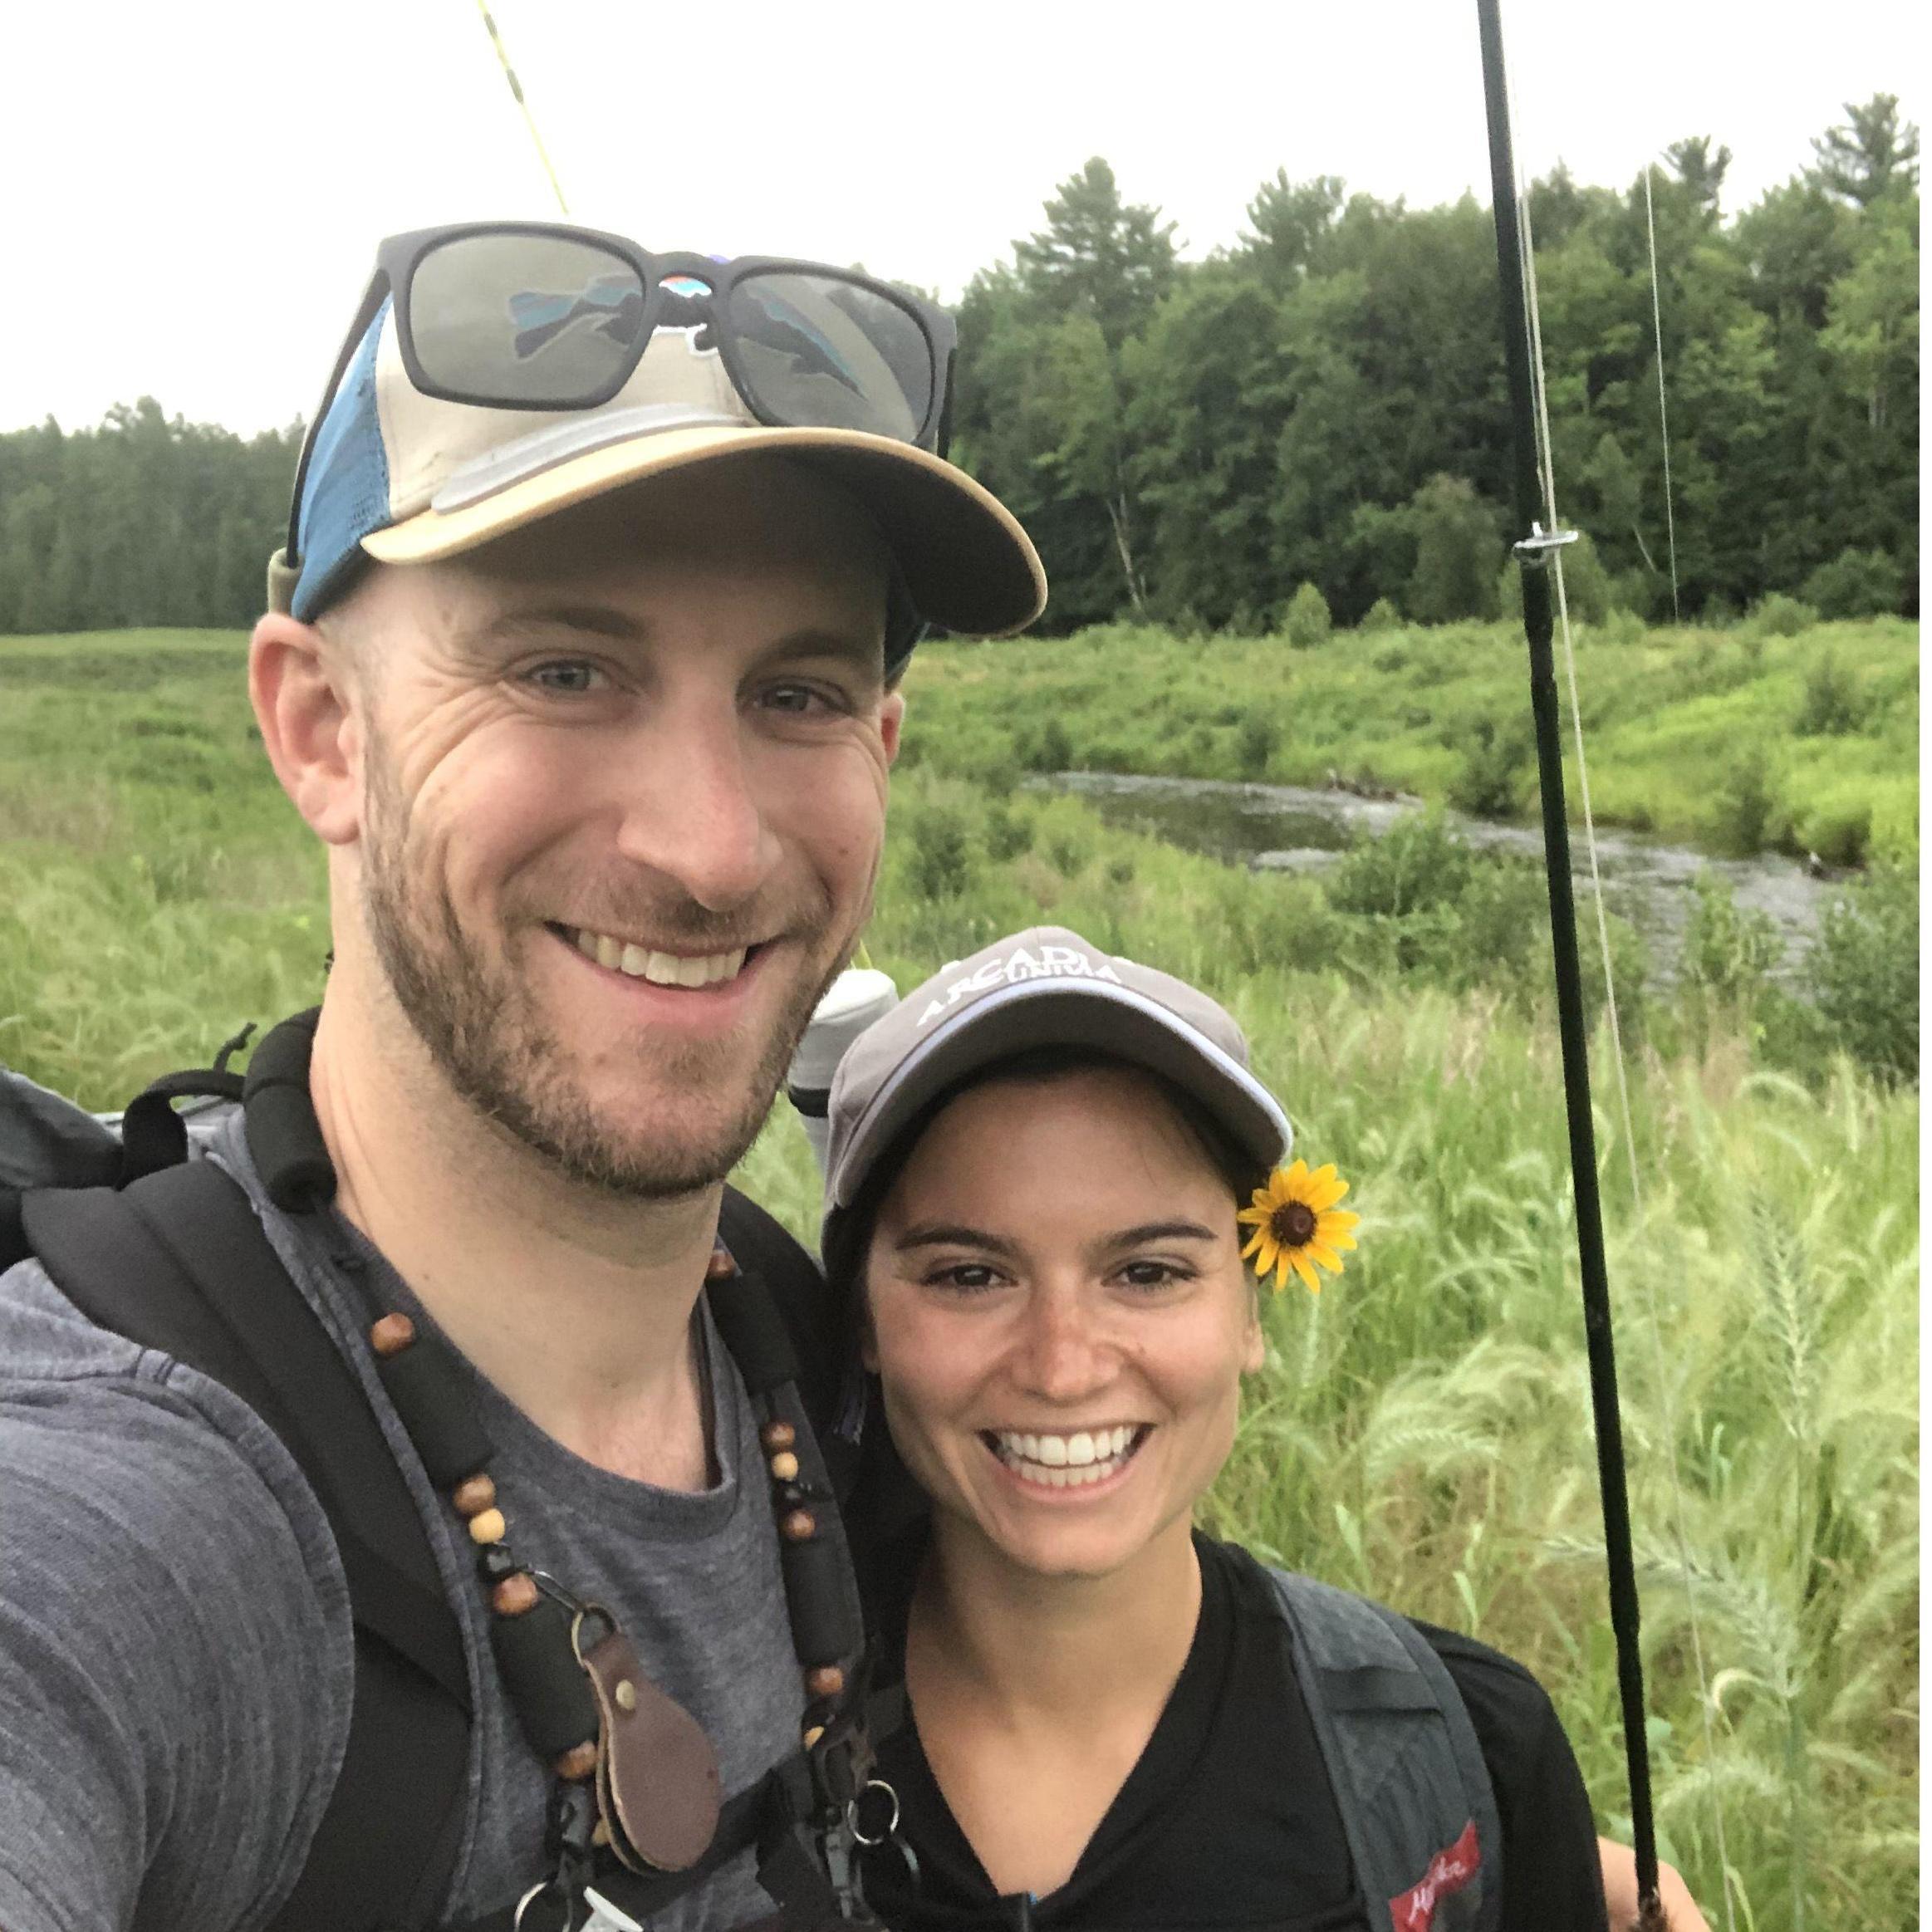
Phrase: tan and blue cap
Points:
(1045, 987)
(404, 477)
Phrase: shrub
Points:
(1833, 706)
(1417, 863)
(1746, 804)
(1777, 615)
(1046, 747)
(941, 864)
(1458, 550)
(1495, 762)
(1863, 971)
(1857, 583)
(1308, 621)
(1008, 833)
(1728, 952)
(1255, 744)
(1381, 615)
(1839, 834)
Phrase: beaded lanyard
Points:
(634, 1771)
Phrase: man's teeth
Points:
(660, 968)
(1065, 1462)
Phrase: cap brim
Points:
(968, 565)
(1114, 1020)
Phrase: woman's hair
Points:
(850, 1234)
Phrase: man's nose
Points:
(691, 808)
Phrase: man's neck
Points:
(575, 1303)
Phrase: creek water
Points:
(1292, 828)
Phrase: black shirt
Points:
(1227, 1819)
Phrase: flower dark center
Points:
(1292, 1224)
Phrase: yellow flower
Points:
(1297, 1224)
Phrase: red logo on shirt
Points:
(1449, 1872)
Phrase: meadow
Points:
(1421, 1429)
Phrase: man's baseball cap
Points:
(1045, 987)
(406, 478)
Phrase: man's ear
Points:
(300, 687)
(892, 721)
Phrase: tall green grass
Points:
(1420, 1431)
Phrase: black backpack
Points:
(168, 1251)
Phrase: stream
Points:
(1292, 828)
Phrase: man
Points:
(600, 573)
(591, 704)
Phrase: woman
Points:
(1035, 1165)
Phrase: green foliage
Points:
(1381, 615)
(1856, 583)
(941, 865)
(1746, 804)
(1833, 706)
(1864, 972)
(1459, 551)
(1493, 774)
(1729, 952)
(1308, 621)
(1777, 615)
(1255, 744)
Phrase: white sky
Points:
(194, 190)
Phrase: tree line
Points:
(1319, 409)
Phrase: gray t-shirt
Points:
(176, 1660)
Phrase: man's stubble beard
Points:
(483, 1030)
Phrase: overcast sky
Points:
(194, 191)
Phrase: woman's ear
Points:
(1254, 1350)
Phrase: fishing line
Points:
(516, 93)
(1663, 411)
(1546, 465)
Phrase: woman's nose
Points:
(1064, 1352)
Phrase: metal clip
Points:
(1534, 551)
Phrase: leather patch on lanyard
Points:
(1449, 1872)
(657, 1789)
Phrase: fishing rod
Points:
(1537, 550)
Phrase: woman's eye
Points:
(967, 1277)
(567, 677)
(1153, 1274)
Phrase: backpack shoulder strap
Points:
(179, 1262)
(1416, 1802)
(799, 1292)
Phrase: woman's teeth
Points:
(1065, 1462)
(659, 969)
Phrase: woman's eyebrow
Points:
(1161, 1231)
(953, 1234)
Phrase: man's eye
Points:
(566, 677)
(800, 701)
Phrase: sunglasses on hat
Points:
(541, 316)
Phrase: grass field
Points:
(1421, 1431)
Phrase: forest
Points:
(1317, 411)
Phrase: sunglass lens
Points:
(543, 320)
(820, 351)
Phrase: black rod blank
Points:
(1538, 625)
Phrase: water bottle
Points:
(859, 996)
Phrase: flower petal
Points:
(1327, 1257)
(1249, 1216)
(1310, 1279)
(1258, 1241)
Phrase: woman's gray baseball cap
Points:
(1044, 987)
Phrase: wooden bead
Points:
(777, 1435)
(798, 1526)
(515, 1594)
(813, 1735)
(488, 1527)
(784, 1466)
(827, 1680)
(599, 1834)
(473, 1495)
(625, 1696)
(392, 1335)
(719, 1265)
(577, 1763)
